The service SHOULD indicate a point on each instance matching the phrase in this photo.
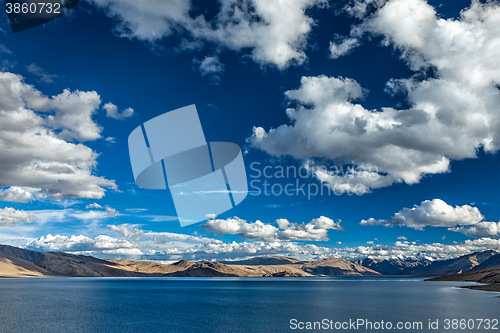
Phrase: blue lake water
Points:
(118, 305)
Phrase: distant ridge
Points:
(426, 267)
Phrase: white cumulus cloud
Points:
(341, 46)
(127, 230)
(273, 32)
(435, 213)
(10, 216)
(112, 112)
(83, 244)
(94, 205)
(481, 229)
(435, 251)
(315, 230)
(210, 66)
(452, 115)
(40, 158)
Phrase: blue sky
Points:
(410, 88)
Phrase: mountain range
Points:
(426, 267)
(16, 262)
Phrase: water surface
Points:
(118, 305)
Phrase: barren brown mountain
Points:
(16, 262)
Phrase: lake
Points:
(118, 305)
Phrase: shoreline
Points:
(491, 287)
